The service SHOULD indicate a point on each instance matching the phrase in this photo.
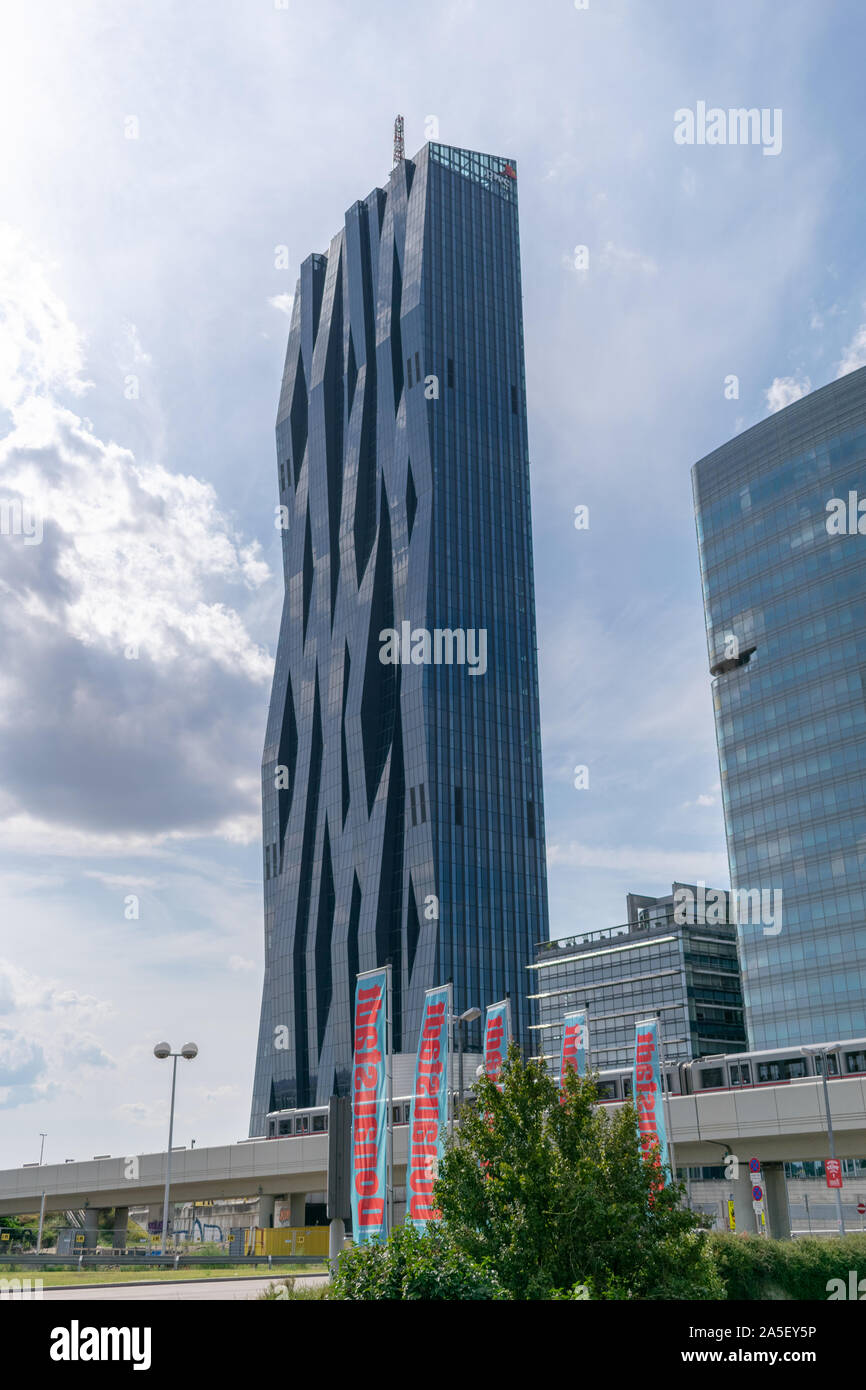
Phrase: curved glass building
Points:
(401, 777)
(784, 585)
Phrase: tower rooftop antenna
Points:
(399, 147)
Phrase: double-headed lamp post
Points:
(468, 1016)
(163, 1050)
(822, 1052)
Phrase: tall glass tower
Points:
(401, 777)
(785, 601)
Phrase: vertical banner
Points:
(428, 1117)
(575, 1044)
(497, 1036)
(648, 1093)
(370, 1102)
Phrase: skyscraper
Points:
(401, 777)
(785, 602)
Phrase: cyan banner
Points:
(648, 1095)
(370, 1107)
(428, 1117)
(497, 1035)
(575, 1044)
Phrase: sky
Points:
(165, 170)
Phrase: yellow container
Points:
(287, 1240)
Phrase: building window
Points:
(514, 400)
(417, 366)
(423, 802)
(412, 804)
(450, 371)
(458, 805)
(409, 372)
(530, 819)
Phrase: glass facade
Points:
(685, 971)
(402, 798)
(785, 605)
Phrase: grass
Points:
(80, 1277)
(287, 1289)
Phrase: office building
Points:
(401, 778)
(674, 957)
(783, 568)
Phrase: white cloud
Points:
(241, 963)
(854, 355)
(785, 390)
(283, 302)
(677, 865)
(615, 258)
(132, 656)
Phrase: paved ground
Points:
(224, 1289)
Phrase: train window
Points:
(320, 1124)
(285, 1126)
(626, 1086)
(855, 1061)
(271, 1130)
(832, 1069)
(740, 1074)
(786, 1069)
(606, 1090)
(302, 1124)
(710, 1077)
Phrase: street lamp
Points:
(163, 1050)
(461, 1020)
(822, 1052)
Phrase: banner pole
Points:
(666, 1097)
(389, 1180)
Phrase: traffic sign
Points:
(754, 1165)
(757, 1193)
(732, 1222)
(833, 1169)
(861, 1208)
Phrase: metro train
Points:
(779, 1066)
(739, 1071)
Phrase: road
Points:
(211, 1289)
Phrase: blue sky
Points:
(144, 326)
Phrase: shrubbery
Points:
(412, 1266)
(753, 1267)
(551, 1191)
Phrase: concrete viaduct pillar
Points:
(265, 1216)
(121, 1227)
(298, 1202)
(91, 1226)
(740, 1189)
(776, 1206)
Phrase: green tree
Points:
(409, 1265)
(552, 1193)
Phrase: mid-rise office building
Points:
(783, 568)
(401, 778)
(675, 957)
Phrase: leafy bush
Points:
(409, 1265)
(753, 1267)
(550, 1192)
